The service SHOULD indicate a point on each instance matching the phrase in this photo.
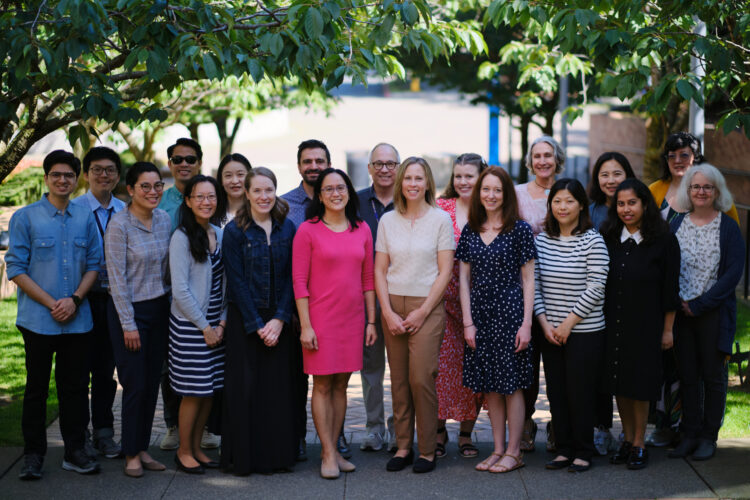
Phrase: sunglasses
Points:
(190, 160)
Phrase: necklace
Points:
(546, 191)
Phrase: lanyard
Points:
(99, 224)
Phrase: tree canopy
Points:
(68, 61)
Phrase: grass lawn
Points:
(737, 415)
(13, 378)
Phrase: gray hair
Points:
(558, 150)
(723, 200)
(385, 144)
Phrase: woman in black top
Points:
(642, 296)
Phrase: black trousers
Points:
(703, 374)
(101, 365)
(300, 408)
(530, 395)
(604, 410)
(573, 372)
(170, 398)
(71, 356)
(139, 371)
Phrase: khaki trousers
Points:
(413, 360)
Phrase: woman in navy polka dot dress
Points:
(497, 253)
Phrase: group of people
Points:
(245, 294)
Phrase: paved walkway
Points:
(726, 476)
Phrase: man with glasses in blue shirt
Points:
(54, 258)
(184, 158)
(375, 201)
(101, 170)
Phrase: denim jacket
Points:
(248, 271)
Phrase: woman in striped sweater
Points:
(570, 277)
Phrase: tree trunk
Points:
(193, 129)
(523, 172)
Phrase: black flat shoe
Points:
(579, 468)
(423, 465)
(198, 469)
(558, 464)
(706, 449)
(622, 454)
(396, 464)
(638, 458)
(211, 464)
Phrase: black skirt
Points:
(259, 432)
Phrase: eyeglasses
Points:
(67, 175)
(378, 165)
(190, 160)
(103, 170)
(328, 190)
(696, 188)
(200, 198)
(683, 156)
(157, 186)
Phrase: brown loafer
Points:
(135, 473)
(154, 466)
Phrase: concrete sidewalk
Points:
(725, 476)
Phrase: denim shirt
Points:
(298, 203)
(55, 249)
(248, 271)
(170, 203)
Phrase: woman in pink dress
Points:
(544, 160)
(455, 401)
(332, 274)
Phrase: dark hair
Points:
(138, 168)
(551, 226)
(230, 158)
(280, 209)
(316, 209)
(652, 223)
(312, 144)
(677, 141)
(188, 142)
(477, 212)
(464, 159)
(101, 153)
(196, 234)
(64, 157)
(595, 190)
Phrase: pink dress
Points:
(454, 400)
(532, 211)
(333, 270)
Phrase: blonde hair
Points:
(723, 200)
(399, 201)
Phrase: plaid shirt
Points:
(137, 260)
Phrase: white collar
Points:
(625, 235)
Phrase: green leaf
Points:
(731, 122)
(209, 66)
(334, 9)
(313, 23)
(409, 13)
(383, 33)
(256, 70)
(276, 44)
(157, 64)
(685, 89)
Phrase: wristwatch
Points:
(76, 300)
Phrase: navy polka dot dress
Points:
(497, 309)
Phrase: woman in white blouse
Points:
(413, 264)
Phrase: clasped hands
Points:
(411, 324)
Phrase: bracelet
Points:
(467, 326)
(222, 326)
(371, 323)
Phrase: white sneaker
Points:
(210, 441)
(171, 440)
(373, 442)
(602, 440)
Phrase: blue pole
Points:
(494, 135)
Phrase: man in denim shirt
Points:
(101, 170)
(312, 158)
(54, 258)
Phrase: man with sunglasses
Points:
(375, 201)
(54, 258)
(101, 170)
(184, 159)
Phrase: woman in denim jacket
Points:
(259, 433)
